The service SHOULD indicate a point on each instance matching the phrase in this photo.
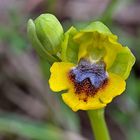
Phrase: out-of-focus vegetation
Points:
(28, 109)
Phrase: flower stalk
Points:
(98, 124)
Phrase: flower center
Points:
(88, 77)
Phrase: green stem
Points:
(98, 124)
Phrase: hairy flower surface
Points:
(94, 67)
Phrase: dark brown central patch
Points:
(88, 77)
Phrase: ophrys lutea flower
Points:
(94, 67)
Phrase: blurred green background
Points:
(28, 109)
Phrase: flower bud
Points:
(45, 34)
(49, 32)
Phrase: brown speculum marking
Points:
(88, 77)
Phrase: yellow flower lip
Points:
(60, 81)
(88, 78)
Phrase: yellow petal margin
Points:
(59, 76)
(73, 101)
(115, 86)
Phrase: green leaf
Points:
(29, 129)
(21, 126)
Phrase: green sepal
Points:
(49, 32)
(97, 26)
(123, 63)
(31, 31)
(94, 27)
(69, 48)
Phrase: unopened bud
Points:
(46, 35)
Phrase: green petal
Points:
(94, 48)
(99, 47)
(123, 63)
(69, 52)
